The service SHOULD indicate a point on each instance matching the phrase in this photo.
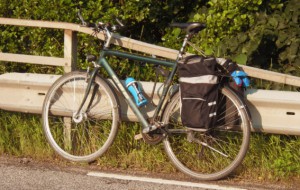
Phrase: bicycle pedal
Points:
(138, 136)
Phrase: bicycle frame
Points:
(103, 62)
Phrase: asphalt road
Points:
(28, 174)
(26, 178)
(20, 177)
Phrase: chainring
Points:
(154, 137)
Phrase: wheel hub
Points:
(77, 118)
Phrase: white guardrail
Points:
(272, 111)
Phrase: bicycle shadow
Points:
(256, 116)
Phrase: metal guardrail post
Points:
(70, 54)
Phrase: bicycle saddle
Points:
(190, 27)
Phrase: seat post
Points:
(182, 49)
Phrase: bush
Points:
(253, 32)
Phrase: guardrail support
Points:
(70, 50)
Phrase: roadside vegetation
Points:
(259, 33)
(270, 157)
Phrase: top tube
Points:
(155, 61)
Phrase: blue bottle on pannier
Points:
(198, 83)
(136, 91)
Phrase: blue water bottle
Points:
(136, 91)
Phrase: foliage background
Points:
(260, 33)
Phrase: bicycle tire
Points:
(86, 137)
(231, 138)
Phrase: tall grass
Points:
(22, 135)
(269, 156)
(274, 156)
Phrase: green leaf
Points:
(208, 51)
(176, 32)
(197, 16)
(241, 59)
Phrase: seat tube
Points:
(123, 90)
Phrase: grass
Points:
(270, 157)
(22, 135)
(277, 156)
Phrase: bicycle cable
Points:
(197, 49)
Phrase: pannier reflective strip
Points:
(208, 79)
(212, 103)
(212, 114)
(193, 99)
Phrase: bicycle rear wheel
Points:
(90, 133)
(213, 154)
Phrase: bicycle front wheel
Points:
(212, 154)
(86, 135)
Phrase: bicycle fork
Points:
(77, 116)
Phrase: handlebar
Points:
(100, 25)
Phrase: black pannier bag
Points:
(199, 91)
(225, 109)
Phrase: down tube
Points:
(122, 89)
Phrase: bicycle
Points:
(81, 114)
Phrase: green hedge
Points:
(261, 33)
